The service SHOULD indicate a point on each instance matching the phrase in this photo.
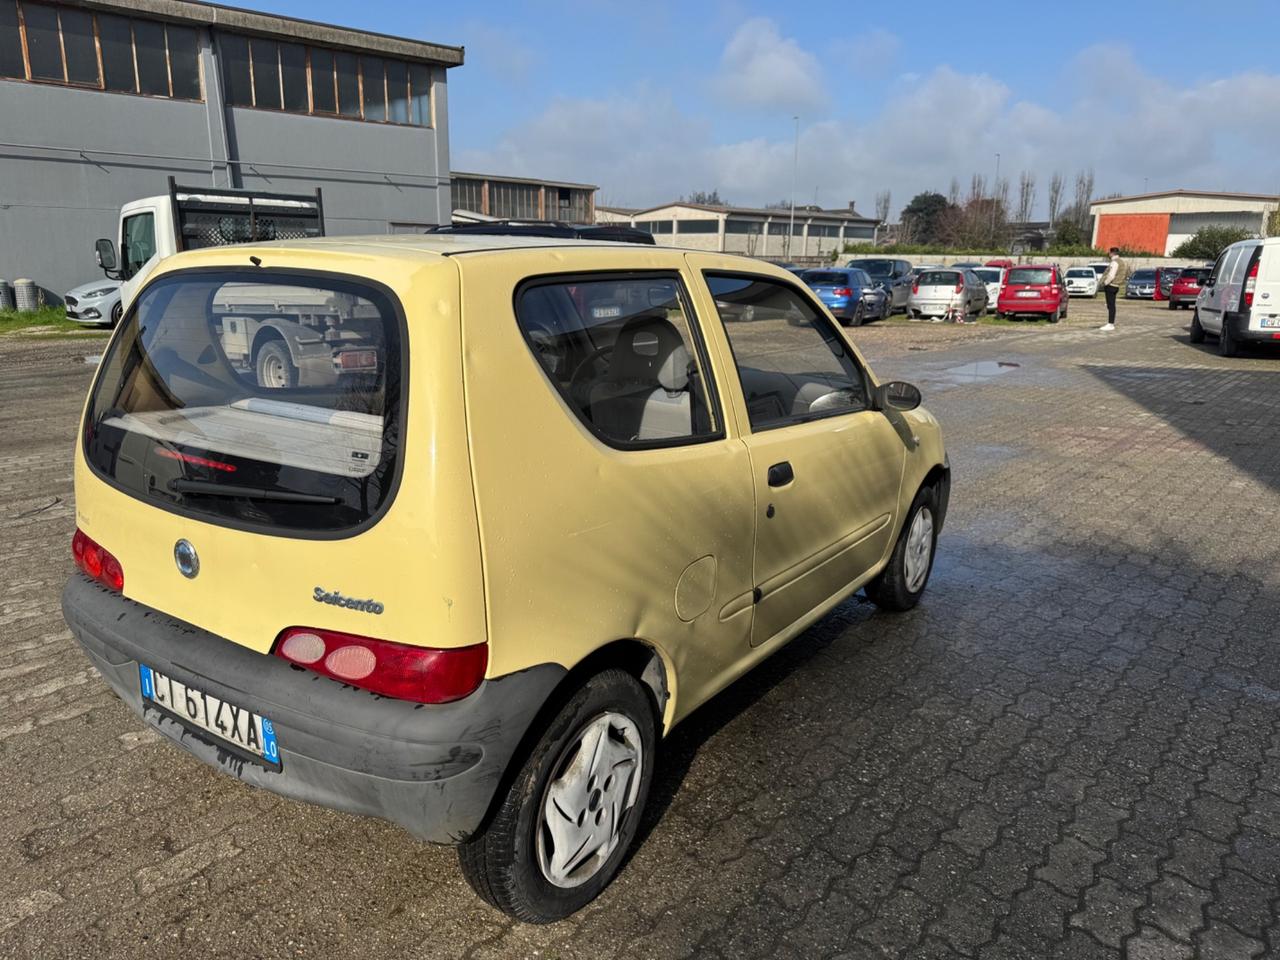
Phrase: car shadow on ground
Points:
(1233, 412)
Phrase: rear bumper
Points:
(432, 769)
(1028, 305)
(1240, 330)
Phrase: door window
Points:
(139, 241)
(1244, 254)
(622, 353)
(792, 364)
(1226, 265)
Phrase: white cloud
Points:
(868, 53)
(1126, 124)
(761, 68)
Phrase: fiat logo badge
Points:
(185, 556)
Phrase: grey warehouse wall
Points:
(69, 158)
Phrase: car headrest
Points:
(649, 349)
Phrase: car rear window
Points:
(988, 274)
(939, 278)
(1032, 275)
(826, 278)
(260, 399)
(878, 269)
(1198, 274)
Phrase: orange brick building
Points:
(1157, 223)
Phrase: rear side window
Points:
(1241, 263)
(267, 400)
(939, 278)
(622, 354)
(1033, 275)
(792, 365)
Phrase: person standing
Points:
(1113, 282)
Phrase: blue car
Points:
(849, 293)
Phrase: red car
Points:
(1033, 290)
(1186, 288)
(1002, 264)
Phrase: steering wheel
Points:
(576, 381)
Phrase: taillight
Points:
(420, 674)
(915, 286)
(97, 562)
(1250, 282)
(960, 285)
(842, 292)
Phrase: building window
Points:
(314, 80)
(513, 201)
(48, 43)
(744, 226)
(654, 226)
(468, 195)
(698, 226)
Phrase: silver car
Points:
(948, 294)
(95, 302)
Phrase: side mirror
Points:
(898, 395)
(105, 251)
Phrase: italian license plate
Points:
(1028, 293)
(221, 720)
(1268, 322)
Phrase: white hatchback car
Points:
(947, 292)
(1082, 282)
(95, 302)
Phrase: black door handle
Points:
(780, 474)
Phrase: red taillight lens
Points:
(420, 674)
(960, 286)
(97, 562)
(1250, 282)
(915, 286)
(843, 292)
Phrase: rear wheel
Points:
(1055, 316)
(274, 368)
(1172, 305)
(859, 314)
(1228, 346)
(1197, 331)
(900, 584)
(566, 821)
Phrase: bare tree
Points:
(977, 187)
(883, 199)
(953, 192)
(1026, 196)
(1084, 194)
(1055, 197)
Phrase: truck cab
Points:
(281, 341)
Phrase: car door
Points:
(1211, 297)
(826, 467)
(901, 283)
(137, 251)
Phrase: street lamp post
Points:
(795, 166)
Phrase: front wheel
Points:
(899, 585)
(1197, 331)
(116, 313)
(565, 823)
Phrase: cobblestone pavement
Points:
(1071, 749)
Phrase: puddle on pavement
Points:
(982, 370)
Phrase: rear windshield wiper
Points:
(204, 488)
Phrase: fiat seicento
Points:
(453, 530)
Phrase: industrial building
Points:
(1157, 223)
(102, 101)
(483, 196)
(770, 233)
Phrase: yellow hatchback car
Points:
(452, 530)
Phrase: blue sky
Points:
(653, 99)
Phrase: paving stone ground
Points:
(1070, 750)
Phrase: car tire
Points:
(510, 864)
(1055, 316)
(899, 585)
(859, 315)
(1172, 305)
(1197, 331)
(273, 366)
(116, 313)
(1228, 346)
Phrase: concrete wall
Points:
(70, 157)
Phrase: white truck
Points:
(281, 335)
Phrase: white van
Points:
(1240, 301)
